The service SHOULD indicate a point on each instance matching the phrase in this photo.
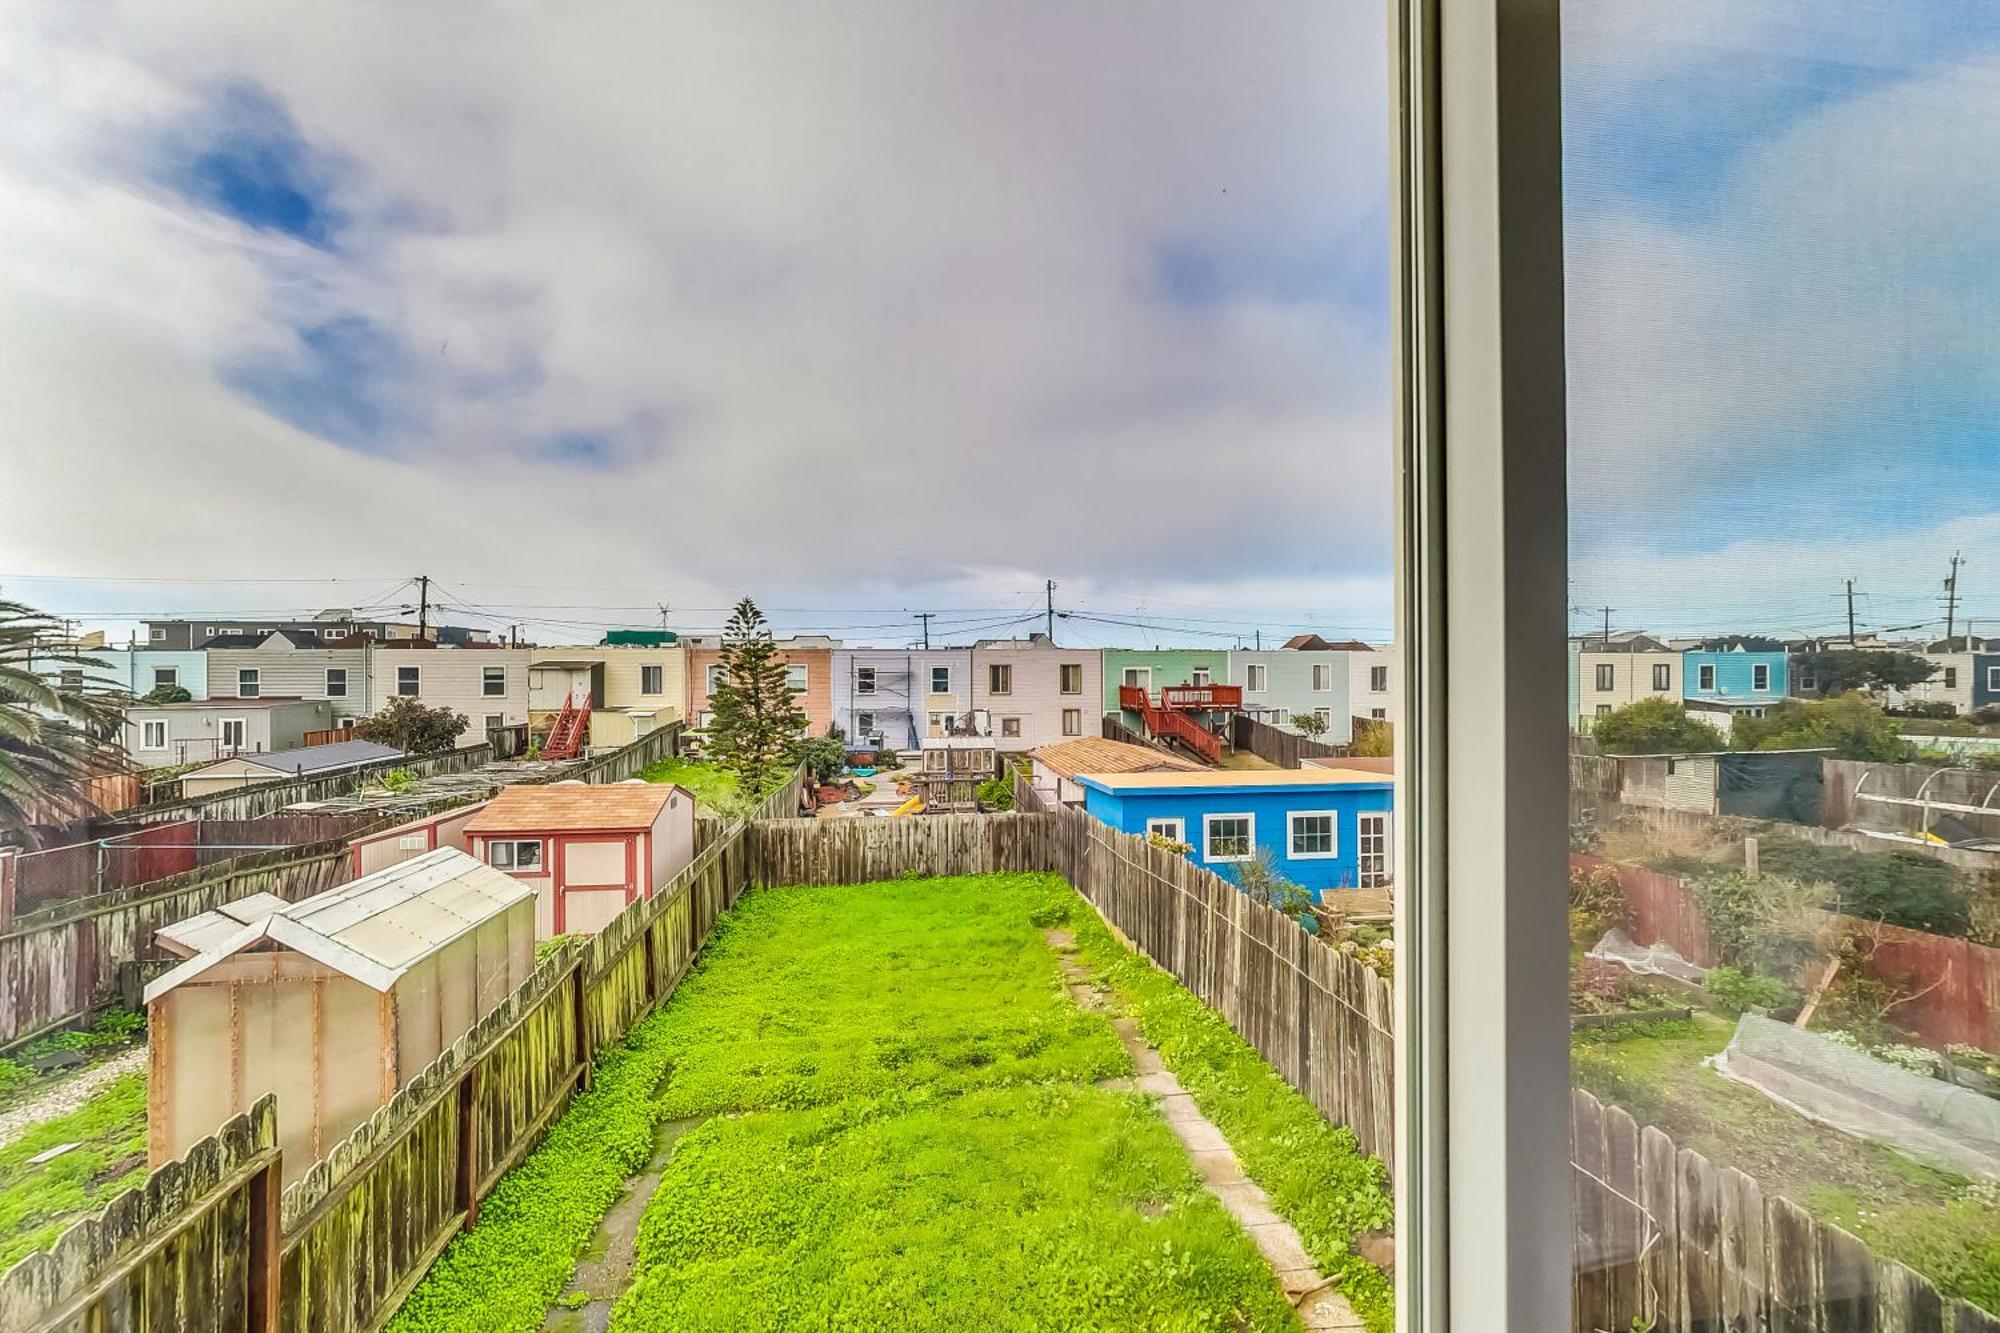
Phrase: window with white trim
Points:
(1231, 837)
(1201, 678)
(1010, 726)
(157, 634)
(1070, 678)
(1760, 675)
(940, 680)
(409, 681)
(153, 734)
(1705, 677)
(1072, 722)
(652, 679)
(795, 677)
(1173, 830)
(864, 680)
(166, 677)
(1371, 849)
(1322, 677)
(1378, 680)
(718, 676)
(336, 682)
(247, 682)
(864, 724)
(495, 721)
(999, 678)
(1256, 678)
(516, 854)
(232, 733)
(492, 682)
(1314, 834)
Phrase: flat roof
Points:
(560, 807)
(1237, 779)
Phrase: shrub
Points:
(1596, 903)
(1765, 923)
(997, 793)
(1901, 888)
(1735, 992)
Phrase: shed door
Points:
(1372, 845)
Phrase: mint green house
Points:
(1151, 668)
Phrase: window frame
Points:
(512, 865)
(1010, 728)
(1760, 677)
(864, 680)
(490, 676)
(146, 726)
(1606, 677)
(1067, 715)
(658, 678)
(1000, 679)
(1378, 673)
(1063, 670)
(1175, 822)
(166, 676)
(222, 726)
(1208, 821)
(1201, 678)
(326, 682)
(1292, 818)
(156, 634)
(935, 687)
(1322, 671)
(803, 677)
(1663, 677)
(249, 681)
(864, 723)
(1705, 677)
(1256, 678)
(416, 682)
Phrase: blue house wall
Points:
(1130, 810)
(1735, 675)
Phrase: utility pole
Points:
(663, 614)
(1951, 599)
(925, 616)
(1850, 615)
(1260, 641)
(1607, 610)
(423, 605)
(1050, 593)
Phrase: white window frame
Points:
(156, 634)
(1072, 722)
(249, 682)
(864, 724)
(1292, 818)
(1010, 727)
(146, 726)
(495, 721)
(1208, 837)
(489, 676)
(936, 688)
(1159, 826)
(505, 854)
(1281, 717)
(1000, 679)
(1201, 678)
(1385, 873)
(864, 680)
(70, 678)
(1144, 679)
(658, 678)
(1256, 678)
(1322, 672)
(1993, 677)
(797, 678)
(165, 676)
(416, 682)
(222, 726)
(1063, 670)
(1325, 715)
(331, 692)
(1760, 676)
(1375, 674)
(1379, 714)
(1704, 677)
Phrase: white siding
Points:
(1035, 698)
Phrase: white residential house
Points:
(1373, 690)
(1032, 692)
(487, 686)
(1280, 684)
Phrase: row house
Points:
(1967, 676)
(186, 633)
(1282, 684)
(633, 689)
(357, 676)
(1607, 676)
(1030, 693)
(894, 698)
(134, 671)
(1720, 680)
(163, 735)
(808, 660)
(1372, 687)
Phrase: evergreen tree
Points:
(758, 724)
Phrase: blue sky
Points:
(916, 306)
(1782, 273)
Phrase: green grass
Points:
(1941, 1225)
(1315, 1173)
(38, 1203)
(714, 788)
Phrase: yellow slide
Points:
(909, 807)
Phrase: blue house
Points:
(1735, 676)
(1324, 828)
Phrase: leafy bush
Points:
(1901, 888)
(1654, 726)
(412, 727)
(1596, 903)
(399, 780)
(1765, 923)
(1735, 992)
(997, 793)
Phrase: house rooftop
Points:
(377, 927)
(1236, 779)
(206, 930)
(1095, 754)
(568, 807)
(312, 758)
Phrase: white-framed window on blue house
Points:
(1173, 830)
(165, 676)
(1705, 676)
(1230, 837)
(1993, 678)
(1371, 848)
(1760, 675)
(1314, 834)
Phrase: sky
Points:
(881, 308)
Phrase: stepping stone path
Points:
(605, 1268)
(1319, 1306)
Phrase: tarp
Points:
(1937, 1123)
(1772, 785)
(1654, 960)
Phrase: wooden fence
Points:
(1665, 1236)
(859, 850)
(1322, 1019)
(1275, 745)
(65, 962)
(356, 1232)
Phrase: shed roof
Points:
(377, 927)
(1236, 780)
(569, 807)
(205, 930)
(312, 758)
(1095, 754)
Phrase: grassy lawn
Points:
(38, 1203)
(714, 788)
(1942, 1225)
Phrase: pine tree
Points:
(757, 723)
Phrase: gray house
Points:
(294, 664)
(160, 735)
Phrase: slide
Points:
(909, 807)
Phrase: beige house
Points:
(1607, 681)
(1028, 692)
(333, 1003)
(486, 686)
(632, 690)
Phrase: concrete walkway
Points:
(1319, 1306)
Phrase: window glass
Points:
(408, 681)
(651, 680)
(493, 681)
(940, 680)
(1312, 833)
(336, 682)
(1781, 271)
(1228, 837)
(247, 683)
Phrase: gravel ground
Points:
(68, 1094)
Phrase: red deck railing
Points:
(1171, 723)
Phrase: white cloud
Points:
(879, 277)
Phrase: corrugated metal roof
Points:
(566, 807)
(377, 927)
(205, 930)
(315, 758)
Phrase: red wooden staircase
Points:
(1169, 720)
(570, 732)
